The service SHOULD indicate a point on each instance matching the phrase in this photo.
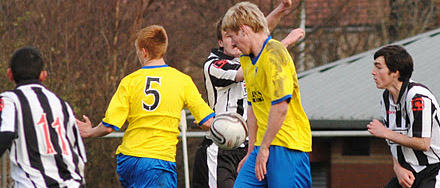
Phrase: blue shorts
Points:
(285, 168)
(145, 172)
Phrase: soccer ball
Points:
(228, 130)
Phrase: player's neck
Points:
(394, 90)
(154, 62)
(258, 43)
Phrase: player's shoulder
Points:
(415, 88)
(218, 55)
(275, 48)
(8, 95)
(274, 44)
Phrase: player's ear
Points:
(396, 74)
(145, 52)
(10, 75)
(220, 43)
(43, 75)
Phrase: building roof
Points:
(343, 95)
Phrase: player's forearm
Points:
(417, 143)
(277, 115)
(98, 131)
(396, 164)
(239, 76)
(252, 129)
(275, 16)
(6, 139)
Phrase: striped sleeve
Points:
(7, 123)
(7, 115)
(76, 137)
(222, 72)
(420, 115)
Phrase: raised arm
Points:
(275, 16)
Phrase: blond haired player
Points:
(279, 130)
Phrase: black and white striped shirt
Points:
(416, 115)
(224, 93)
(46, 150)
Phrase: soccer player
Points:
(279, 131)
(215, 167)
(151, 100)
(38, 128)
(411, 116)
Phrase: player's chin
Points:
(236, 49)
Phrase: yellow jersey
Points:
(270, 79)
(151, 100)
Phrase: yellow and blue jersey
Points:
(270, 79)
(151, 100)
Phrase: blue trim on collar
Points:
(110, 126)
(264, 45)
(155, 66)
(285, 98)
(206, 118)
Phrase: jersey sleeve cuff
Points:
(206, 118)
(285, 98)
(249, 103)
(110, 126)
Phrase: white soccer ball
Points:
(228, 130)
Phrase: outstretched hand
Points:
(285, 5)
(84, 126)
(293, 37)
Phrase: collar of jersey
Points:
(220, 53)
(402, 90)
(28, 82)
(258, 56)
(155, 66)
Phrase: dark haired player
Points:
(411, 115)
(38, 128)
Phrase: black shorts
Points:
(225, 162)
(427, 178)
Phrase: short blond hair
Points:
(154, 40)
(245, 13)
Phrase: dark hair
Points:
(219, 29)
(26, 64)
(397, 59)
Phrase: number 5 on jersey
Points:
(151, 91)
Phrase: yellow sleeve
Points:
(195, 103)
(117, 111)
(279, 75)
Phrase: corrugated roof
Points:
(344, 91)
